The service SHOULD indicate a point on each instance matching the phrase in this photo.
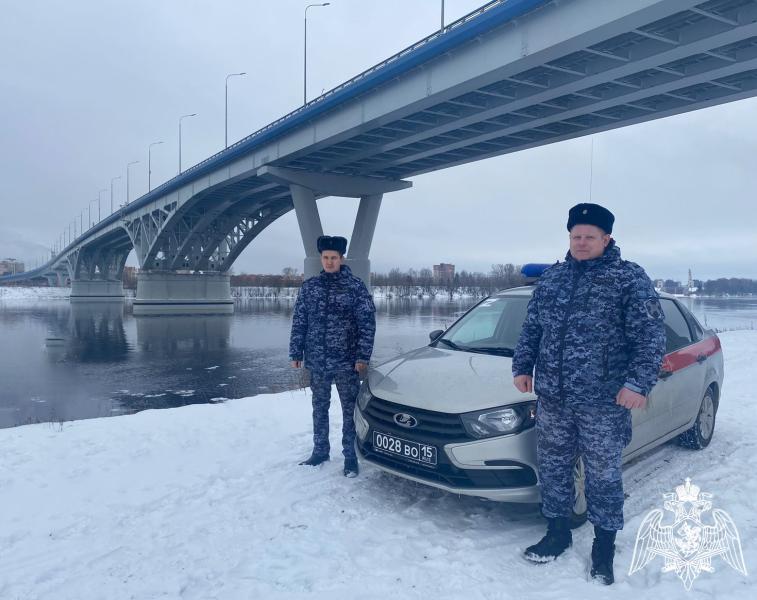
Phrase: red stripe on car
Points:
(680, 359)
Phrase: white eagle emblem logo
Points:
(688, 546)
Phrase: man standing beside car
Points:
(332, 333)
(594, 333)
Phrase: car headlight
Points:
(500, 421)
(364, 395)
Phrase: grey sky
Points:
(87, 85)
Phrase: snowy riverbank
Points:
(34, 293)
(207, 501)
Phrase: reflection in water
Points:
(93, 332)
(97, 332)
(175, 335)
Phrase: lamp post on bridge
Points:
(98, 203)
(89, 212)
(81, 221)
(442, 15)
(149, 164)
(180, 120)
(305, 61)
(226, 113)
(111, 192)
(134, 162)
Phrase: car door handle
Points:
(701, 358)
(664, 374)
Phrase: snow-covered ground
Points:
(35, 293)
(264, 292)
(207, 501)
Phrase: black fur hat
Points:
(591, 214)
(335, 242)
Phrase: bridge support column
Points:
(96, 290)
(311, 229)
(362, 237)
(171, 293)
(306, 186)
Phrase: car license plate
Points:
(412, 451)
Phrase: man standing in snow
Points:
(594, 332)
(332, 330)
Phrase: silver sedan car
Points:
(447, 414)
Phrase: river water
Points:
(62, 361)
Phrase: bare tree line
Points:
(406, 283)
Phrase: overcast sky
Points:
(87, 85)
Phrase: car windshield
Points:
(492, 327)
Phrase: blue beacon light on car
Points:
(533, 270)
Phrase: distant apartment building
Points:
(11, 266)
(444, 272)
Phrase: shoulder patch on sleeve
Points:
(653, 309)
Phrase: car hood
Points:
(445, 380)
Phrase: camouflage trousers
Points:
(348, 385)
(597, 433)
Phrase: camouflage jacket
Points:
(334, 322)
(591, 328)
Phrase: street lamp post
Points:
(442, 15)
(98, 203)
(89, 211)
(111, 192)
(81, 221)
(128, 199)
(305, 61)
(226, 113)
(180, 120)
(149, 164)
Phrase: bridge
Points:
(513, 75)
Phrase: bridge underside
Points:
(624, 72)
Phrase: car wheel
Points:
(579, 514)
(700, 434)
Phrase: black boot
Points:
(350, 467)
(558, 540)
(602, 555)
(315, 459)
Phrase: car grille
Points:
(436, 428)
(433, 427)
(448, 474)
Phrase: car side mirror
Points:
(435, 334)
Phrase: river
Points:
(62, 361)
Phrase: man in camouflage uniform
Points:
(332, 330)
(594, 333)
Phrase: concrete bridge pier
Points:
(309, 220)
(307, 187)
(56, 279)
(362, 236)
(96, 290)
(96, 274)
(173, 293)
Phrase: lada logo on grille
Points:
(405, 420)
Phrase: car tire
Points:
(579, 513)
(700, 434)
